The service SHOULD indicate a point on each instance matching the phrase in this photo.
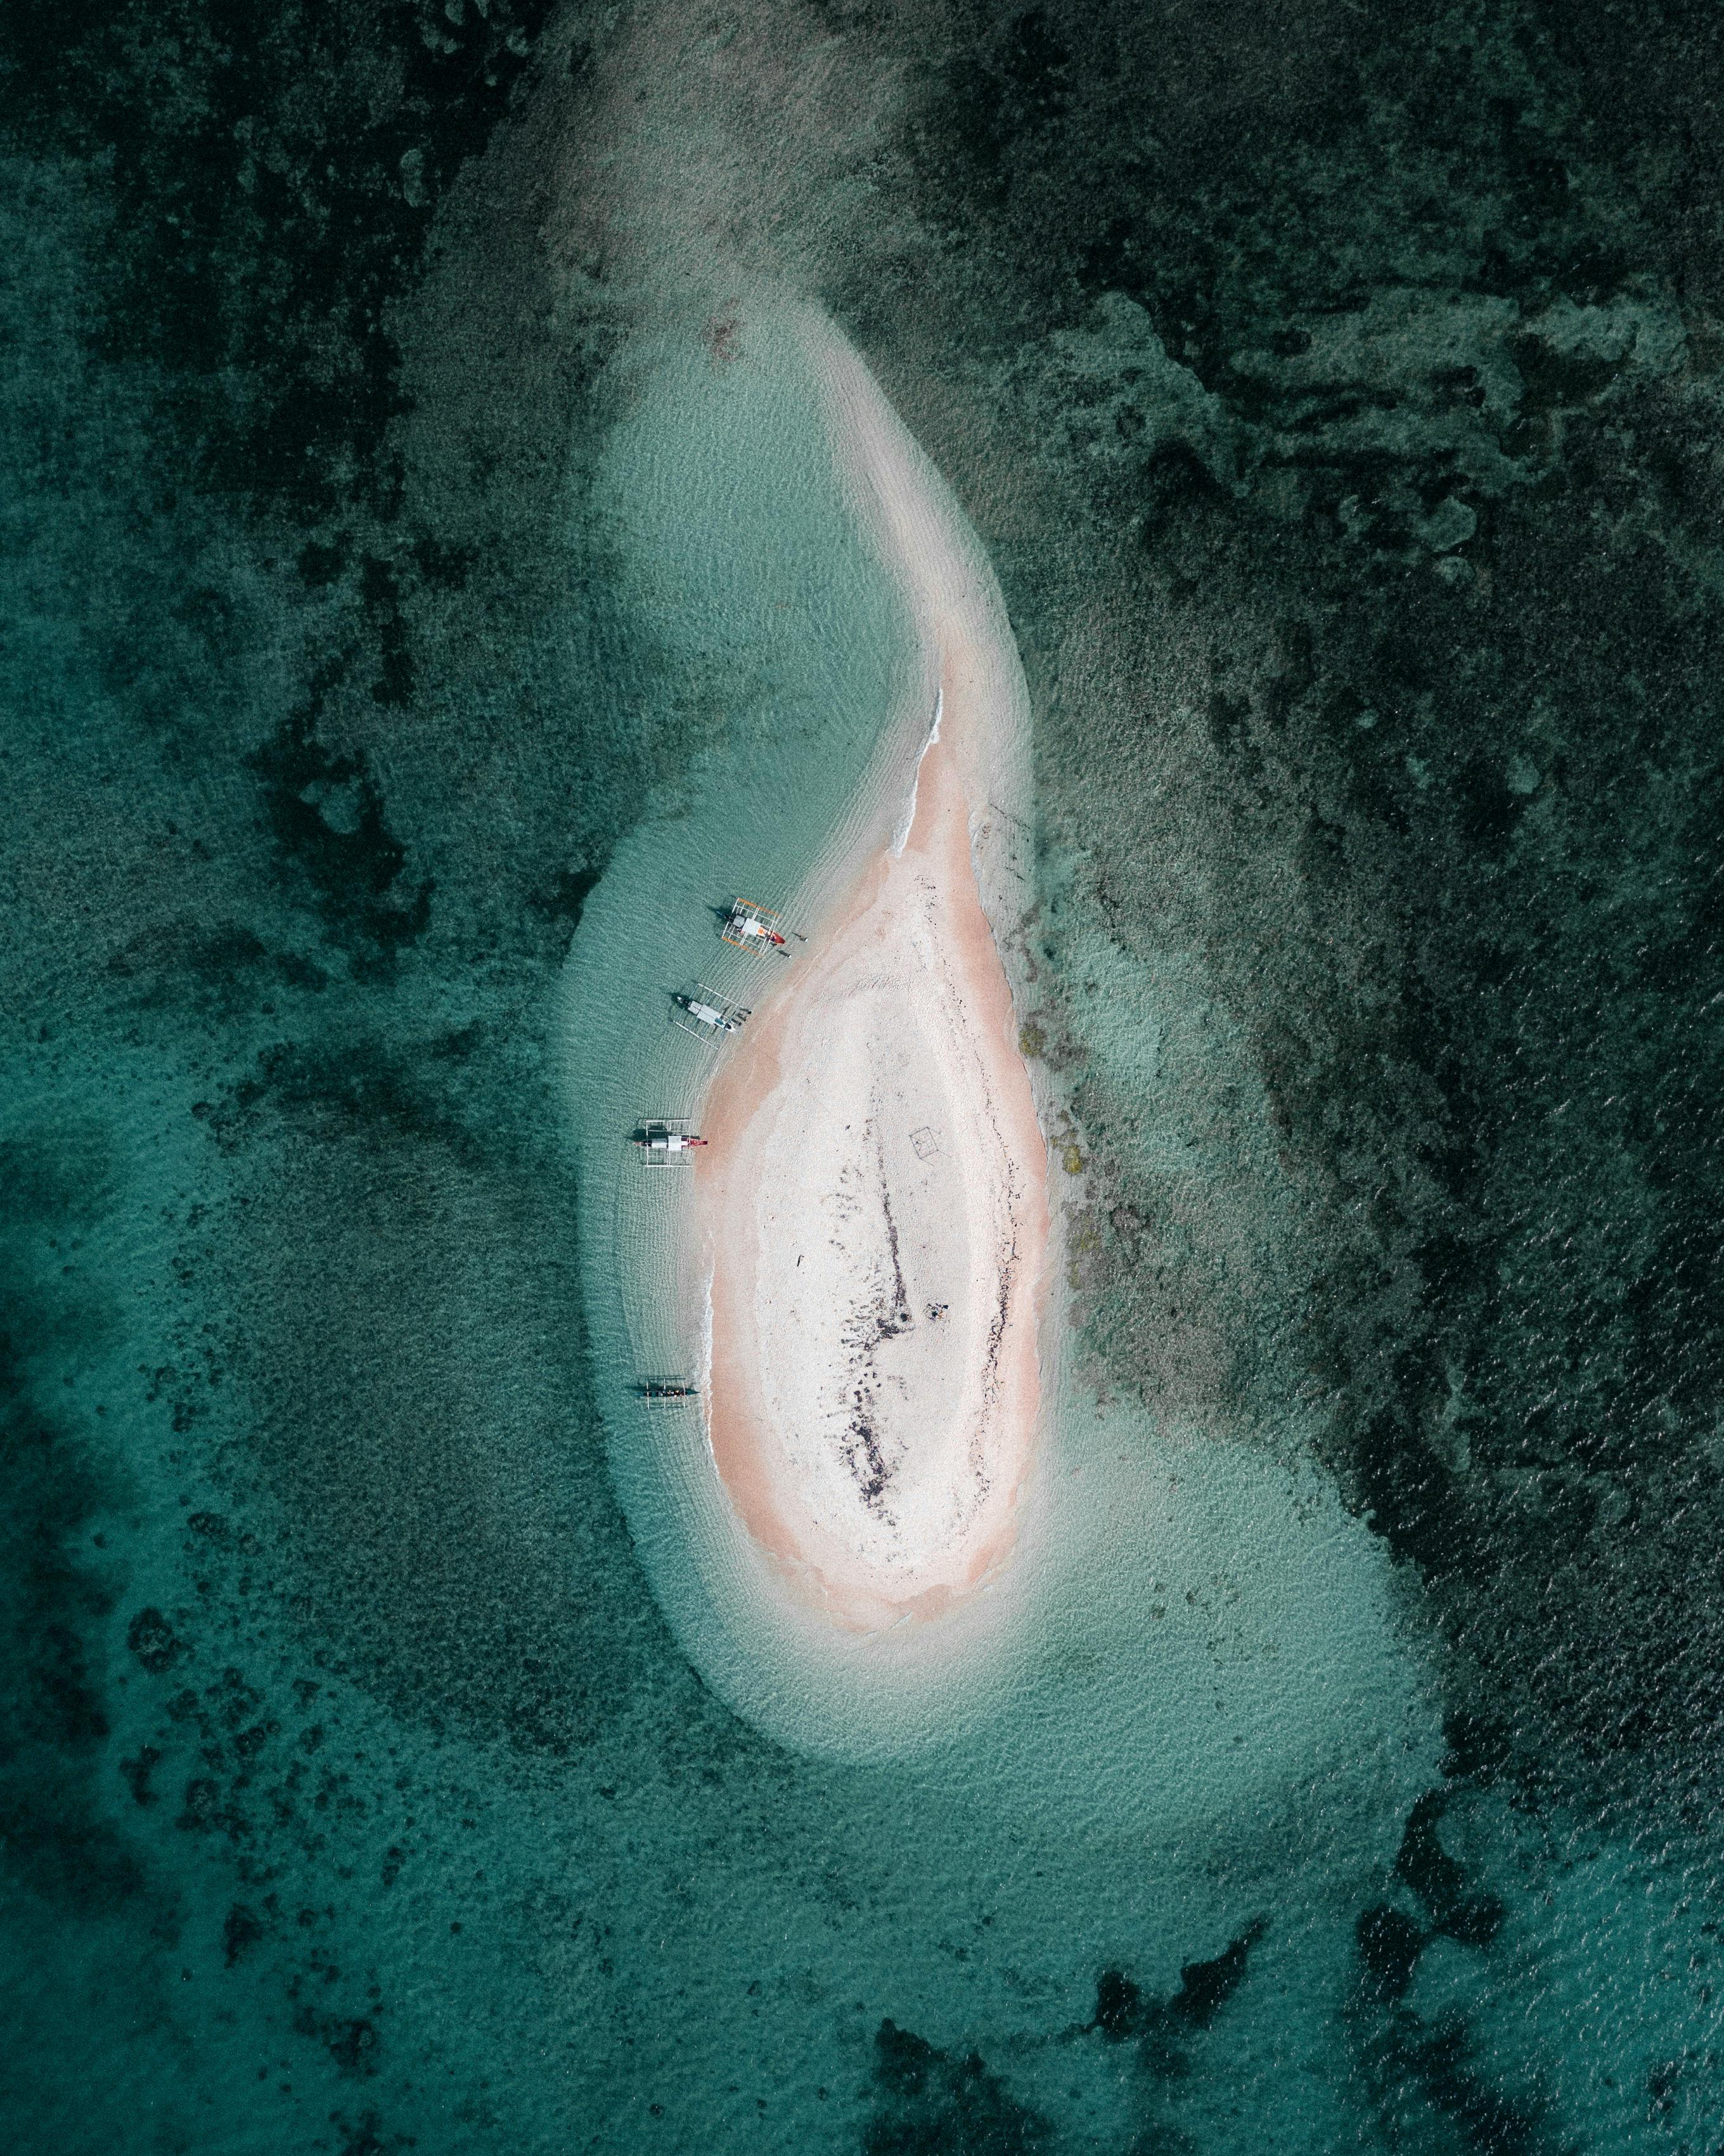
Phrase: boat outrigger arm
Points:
(658, 1140)
(751, 927)
(707, 1014)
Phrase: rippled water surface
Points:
(428, 596)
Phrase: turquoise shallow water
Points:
(745, 581)
(744, 587)
(413, 628)
(1190, 1635)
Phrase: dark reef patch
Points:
(227, 967)
(356, 1087)
(53, 1599)
(1435, 2069)
(1206, 1986)
(279, 954)
(1389, 1945)
(1343, 386)
(1161, 2026)
(566, 898)
(153, 1640)
(242, 1929)
(1441, 1882)
(327, 817)
(931, 2102)
(274, 174)
(365, 2136)
(1382, 364)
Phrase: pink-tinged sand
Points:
(873, 1211)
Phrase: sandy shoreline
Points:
(872, 1211)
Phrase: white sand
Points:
(873, 1207)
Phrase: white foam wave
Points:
(900, 838)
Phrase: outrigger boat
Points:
(707, 1014)
(665, 1389)
(660, 1141)
(751, 927)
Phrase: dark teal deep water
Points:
(1335, 394)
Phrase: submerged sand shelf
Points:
(779, 1579)
(852, 1270)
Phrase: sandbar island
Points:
(873, 1207)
